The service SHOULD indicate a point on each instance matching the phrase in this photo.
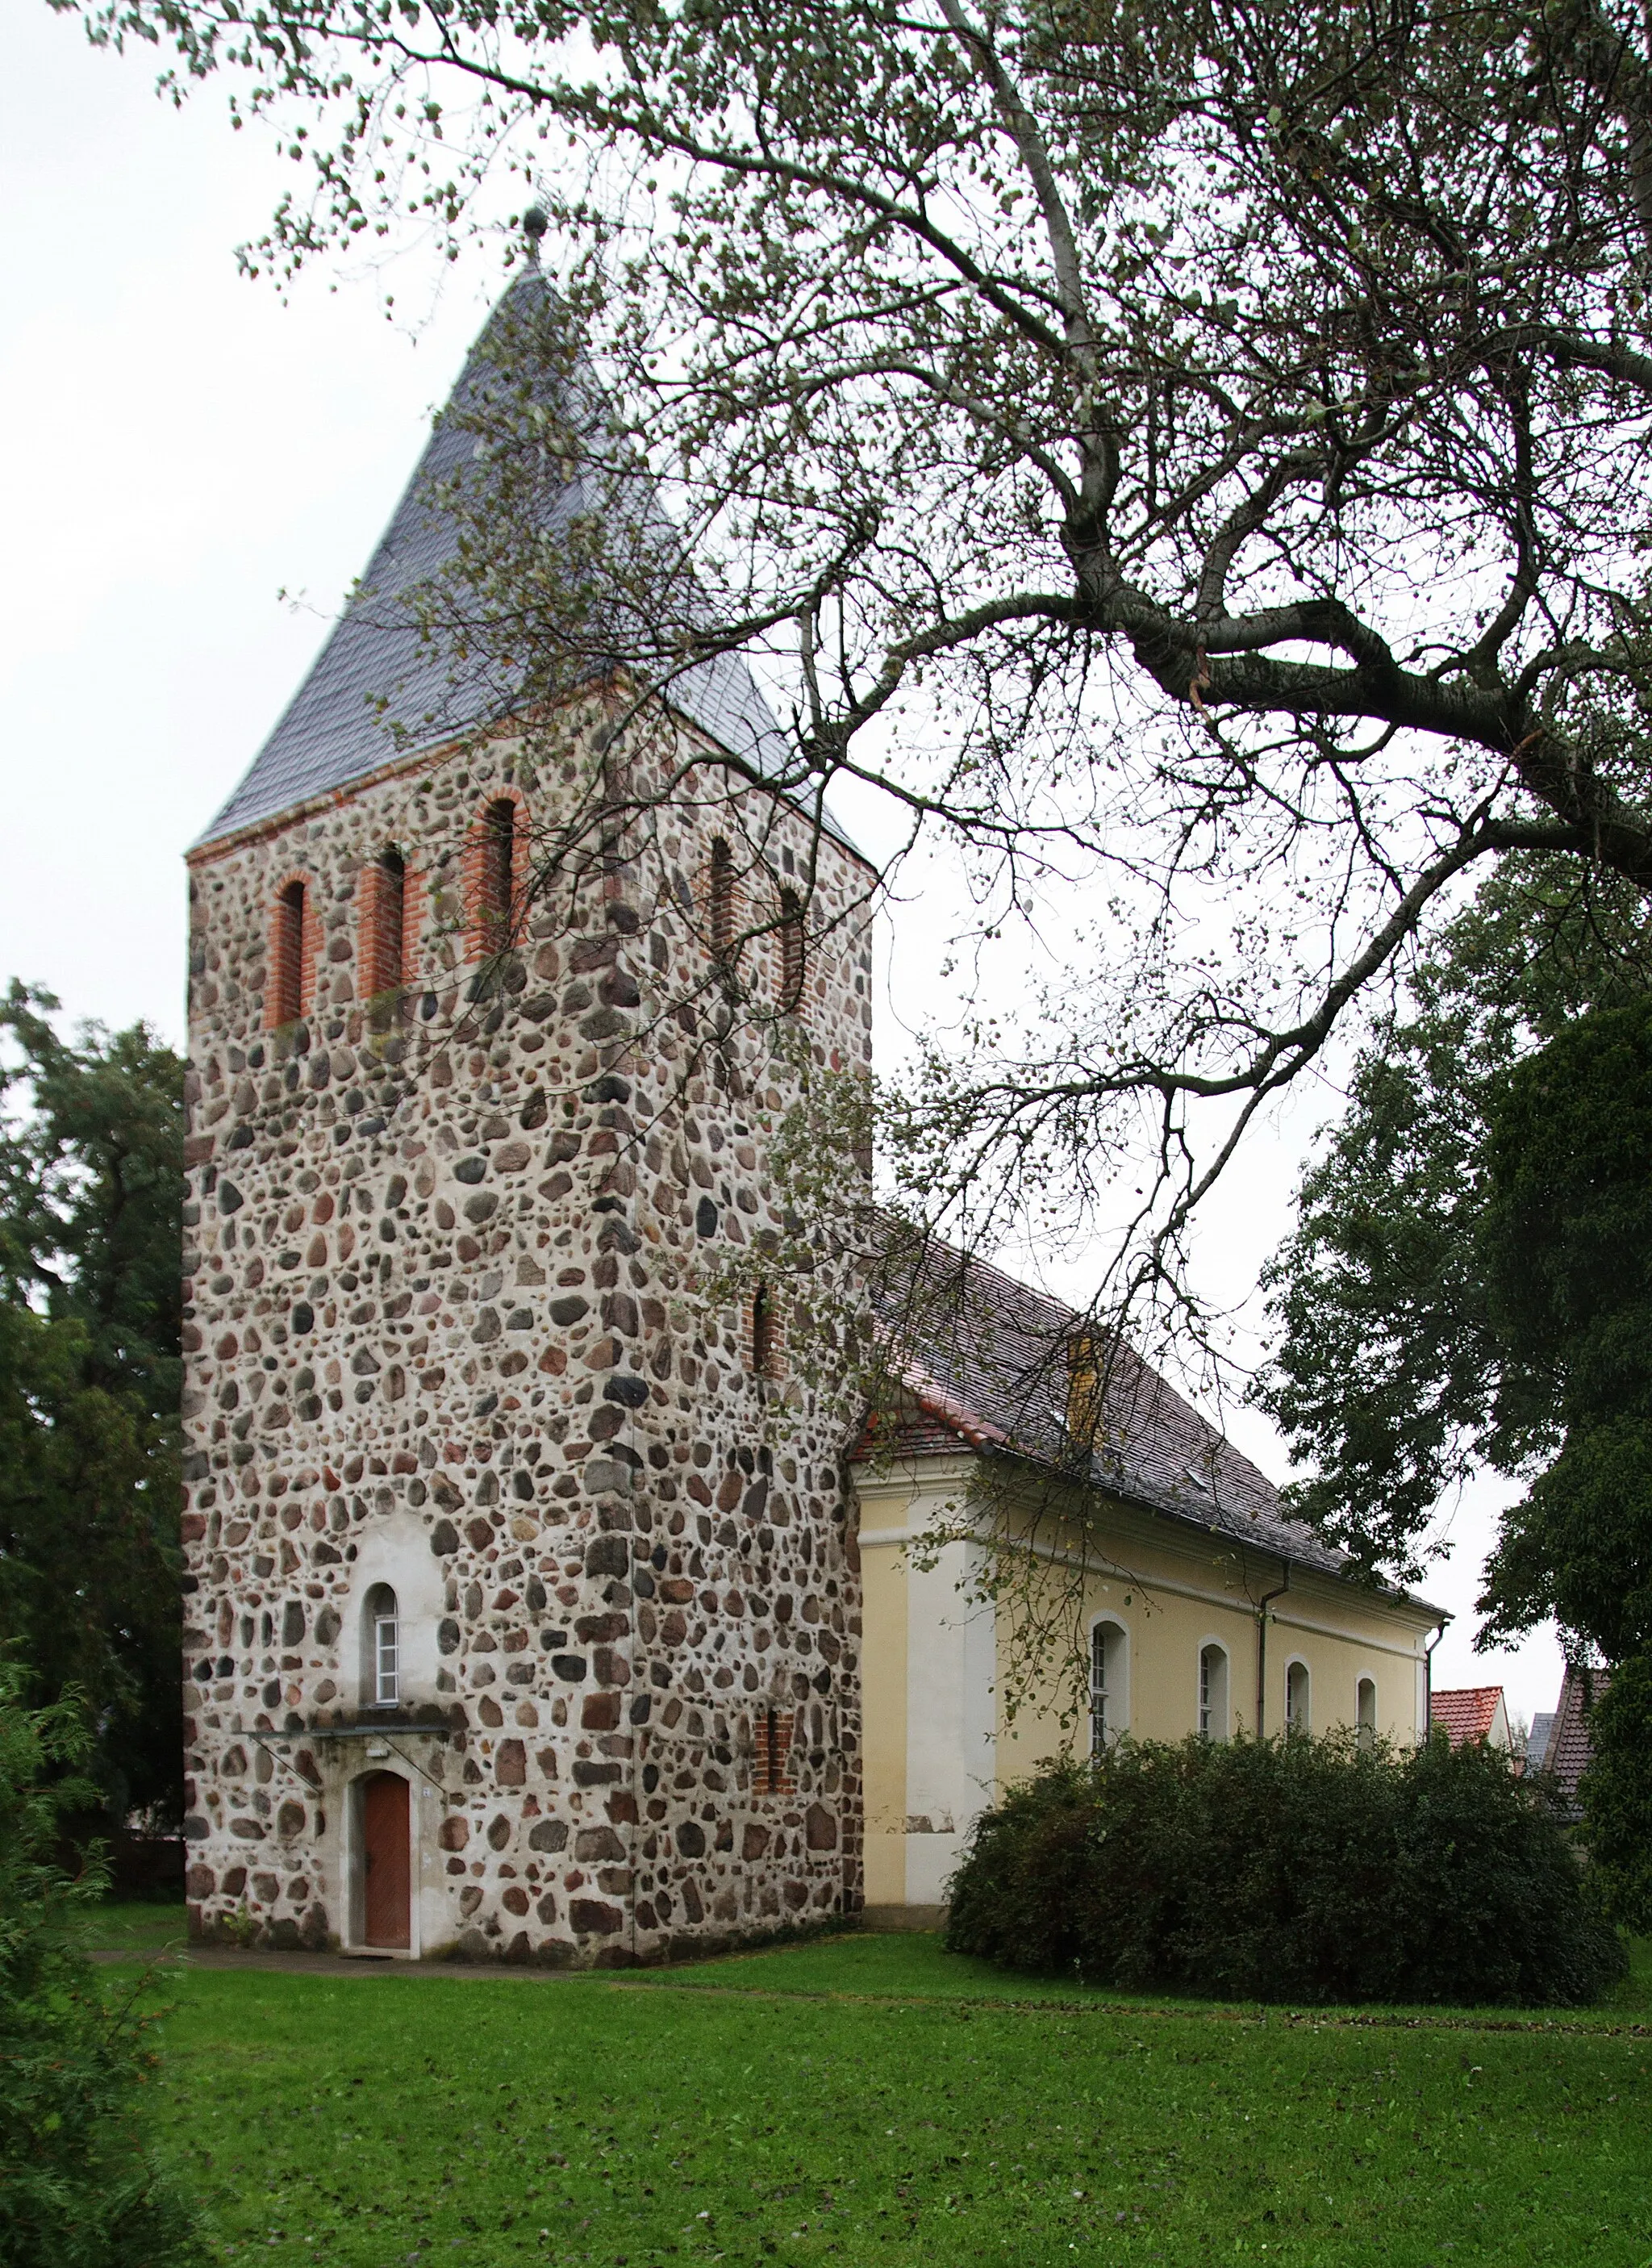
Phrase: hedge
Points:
(1291, 1869)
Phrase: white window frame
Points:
(1108, 1682)
(1304, 1722)
(1212, 1706)
(381, 1646)
(386, 1677)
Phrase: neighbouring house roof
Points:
(1538, 1740)
(981, 1360)
(376, 671)
(1468, 1713)
(1569, 1752)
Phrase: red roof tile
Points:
(1466, 1711)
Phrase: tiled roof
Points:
(375, 670)
(1466, 1711)
(982, 1362)
(1570, 1750)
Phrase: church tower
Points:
(523, 1611)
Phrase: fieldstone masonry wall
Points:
(443, 1332)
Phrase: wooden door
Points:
(384, 1857)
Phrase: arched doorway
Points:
(386, 1872)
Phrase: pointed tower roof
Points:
(376, 670)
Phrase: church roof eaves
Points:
(989, 1400)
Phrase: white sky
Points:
(184, 446)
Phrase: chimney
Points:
(1083, 1392)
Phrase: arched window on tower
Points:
(381, 1648)
(496, 860)
(287, 987)
(791, 952)
(767, 1338)
(383, 886)
(720, 908)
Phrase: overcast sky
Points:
(183, 447)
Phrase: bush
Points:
(1293, 1869)
(79, 2187)
(1616, 1791)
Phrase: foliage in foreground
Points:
(91, 1173)
(1293, 1869)
(79, 2186)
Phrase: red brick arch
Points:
(495, 875)
(289, 979)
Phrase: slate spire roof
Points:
(374, 668)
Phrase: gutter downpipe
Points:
(1427, 1678)
(1262, 1605)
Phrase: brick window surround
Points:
(720, 896)
(791, 952)
(773, 1731)
(495, 874)
(766, 1334)
(289, 986)
(388, 897)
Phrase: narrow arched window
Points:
(381, 1648)
(1109, 1685)
(499, 877)
(384, 909)
(1212, 1693)
(1298, 1715)
(791, 954)
(766, 1334)
(288, 985)
(1365, 1712)
(720, 912)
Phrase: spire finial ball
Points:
(534, 225)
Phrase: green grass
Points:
(916, 1965)
(873, 2101)
(135, 1925)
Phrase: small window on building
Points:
(1109, 1685)
(384, 895)
(381, 1648)
(287, 996)
(766, 1334)
(720, 912)
(1298, 1718)
(496, 882)
(1212, 1693)
(1365, 1712)
(791, 952)
(771, 1760)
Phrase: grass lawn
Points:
(138, 1926)
(875, 2100)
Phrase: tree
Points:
(1470, 1280)
(1395, 1375)
(1194, 458)
(80, 2185)
(90, 1174)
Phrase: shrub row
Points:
(1299, 1869)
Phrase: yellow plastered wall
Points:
(939, 1741)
